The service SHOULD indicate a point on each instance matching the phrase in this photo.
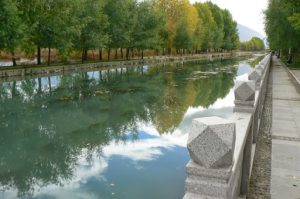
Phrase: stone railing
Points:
(222, 150)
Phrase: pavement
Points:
(296, 74)
(285, 163)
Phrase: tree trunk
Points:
(100, 54)
(169, 51)
(132, 54)
(49, 55)
(13, 58)
(82, 57)
(290, 57)
(116, 54)
(108, 54)
(100, 76)
(122, 53)
(85, 55)
(49, 85)
(39, 85)
(13, 89)
(39, 55)
(127, 53)
(142, 54)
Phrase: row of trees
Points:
(164, 26)
(254, 44)
(283, 26)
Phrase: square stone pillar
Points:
(211, 146)
(256, 76)
(244, 93)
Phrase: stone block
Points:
(244, 91)
(211, 142)
(255, 75)
(261, 68)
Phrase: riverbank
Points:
(21, 71)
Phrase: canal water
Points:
(110, 134)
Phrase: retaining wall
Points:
(10, 73)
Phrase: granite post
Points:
(244, 93)
(256, 76)
(211, 145)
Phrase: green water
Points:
(108, 134)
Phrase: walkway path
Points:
(285, 169)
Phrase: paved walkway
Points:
(296, 74)
(285, 169)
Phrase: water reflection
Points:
(117, 133)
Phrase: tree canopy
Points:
(68, 26)
(282, 25)
(254, 44)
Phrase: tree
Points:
(218, 33)
(94, 22)
(209, 25)
(11, 28)
(281, 26)
(175, 11)
(255, 44)
(121, 21)
(182, 38)
(148, 27)
(231, 37)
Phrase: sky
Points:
(246, 12)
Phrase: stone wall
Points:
(10, 73)
(222, 151)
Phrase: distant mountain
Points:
(246, 33)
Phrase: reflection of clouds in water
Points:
(94, 168)
(144, 149)
(243, 77)
(228, 101)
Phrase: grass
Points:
(294, 65)
(255, 61)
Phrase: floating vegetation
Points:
(65, 98)
(205, 73)
(102, 92)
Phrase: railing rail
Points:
(222, 151)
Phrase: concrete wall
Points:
(222, 151)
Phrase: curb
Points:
(294, 76)
(288, 69)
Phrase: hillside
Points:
(246, 33)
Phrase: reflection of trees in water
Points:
(44, 127)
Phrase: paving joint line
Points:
(277, 137)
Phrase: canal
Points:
(109, 134)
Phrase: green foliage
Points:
(11, 27)
(217, 29)
(83, 25)
(283, 24)
(254, 44)
(148, 26)
(182, 38)
(93, 24)
(231, 37)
